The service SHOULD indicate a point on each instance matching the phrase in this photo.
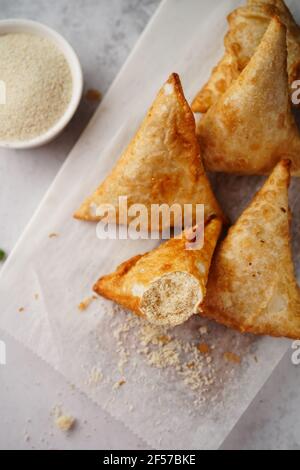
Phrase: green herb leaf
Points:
(2, 255)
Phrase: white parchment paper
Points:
(104, 350)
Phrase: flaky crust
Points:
(247, 25)
(126, 285)
(252, 285)
(162, 163)
(252, 127)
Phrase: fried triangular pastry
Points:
(252, 126)
(252, 285)
(222, 77)
(247, 25)
(161, 165)
(167, 285)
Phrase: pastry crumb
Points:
(119, 384)
(21, 309)
(86, 303)
(203, 348)
(232, 357)
(53, 235)
(164, 339)
(36, 296)
(65, 423)
(62, 421)
(190, 365)
(93, 95)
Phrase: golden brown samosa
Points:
(252, 126)
(167, 285)
(222, 77)
(247, 25)
(252, 285)
(161, 165)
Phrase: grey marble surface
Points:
(103, 33)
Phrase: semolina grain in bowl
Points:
(38, 85)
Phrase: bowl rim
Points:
(35, 27)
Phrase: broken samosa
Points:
(247, 26)
(252, 285)
(167, 285)
(162, 164)
(252, 126)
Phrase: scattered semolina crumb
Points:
(194, 363)
(65, 423)
(164, 339)
(165, 356)
(190, 365)
(21, 309)
(86, 303)
(231, 357)
(95, 377)
(162, 350)
(53, 235)
(36, 296)
(203, 330)
(93, 95)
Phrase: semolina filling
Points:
(171, 299)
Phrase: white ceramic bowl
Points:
(28, 26)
